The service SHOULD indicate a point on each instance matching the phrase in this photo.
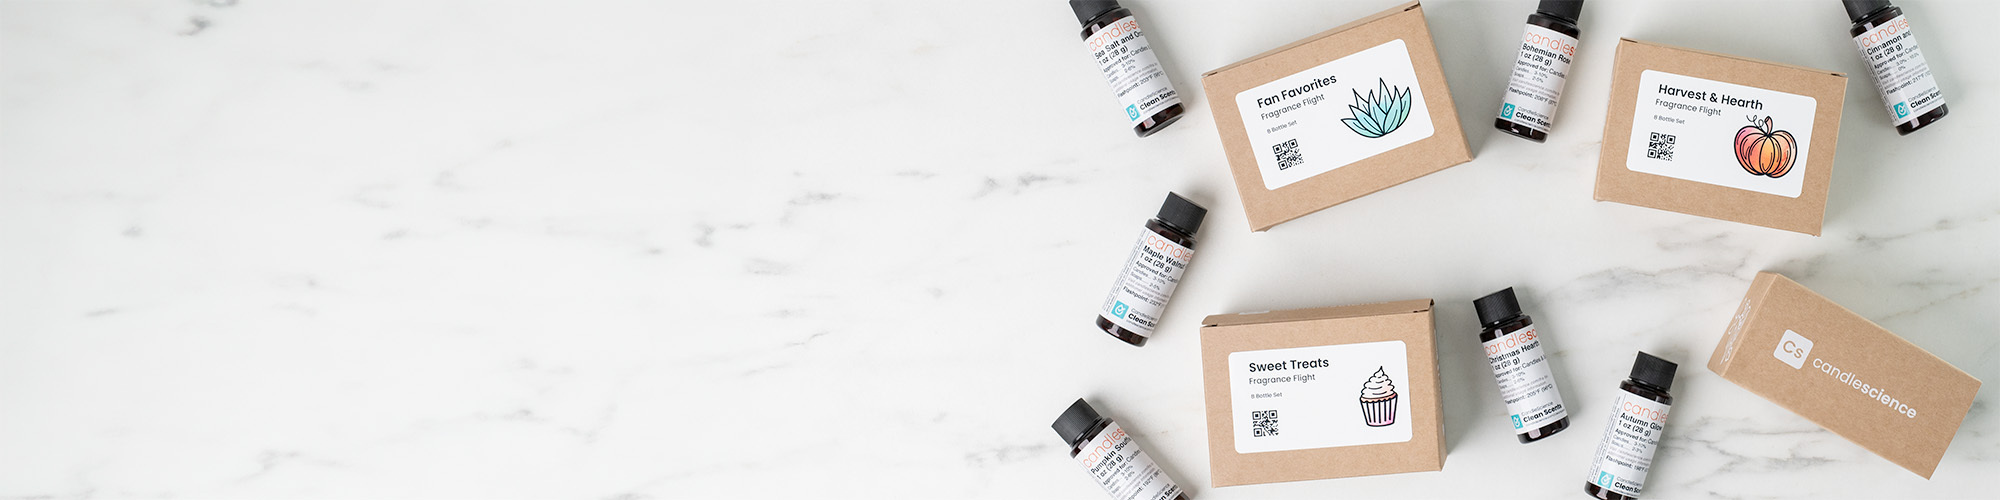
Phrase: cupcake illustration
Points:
(1378, 400)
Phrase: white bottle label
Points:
(1721, 133)
(1132, 69)
(1117, 463)
(1537, 83)
(1901, 74)
(1626, 451)
(1526, 384)
(1321, 397)
(1151, 273)
(1347, 110)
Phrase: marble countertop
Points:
(612, 249)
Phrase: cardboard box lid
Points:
(1374, 309)
(1264, 207)
(1776, 306)
(1616, 182)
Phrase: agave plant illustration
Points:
(1379, 113)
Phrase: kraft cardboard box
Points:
(1720, 136)
(1322, 393)
(1797, 349)
(1347, 112)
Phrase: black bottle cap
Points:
(1860, 9)
(1181, 213)
(1087, 10)
(1651, 370)
(1566, 9)
(1496, 306)
(1075, 421)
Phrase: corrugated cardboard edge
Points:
(1617, 183)
(1772, 281)
(1732, 339)
(1264, 209)
(1350, 311)
(1219, 418)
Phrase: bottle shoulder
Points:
(1647, 391)
(1505, 326)
(1878, 18)
(1098, 23)
(1555, 24)
(1170, 232)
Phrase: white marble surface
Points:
(425, 249)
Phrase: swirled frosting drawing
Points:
(1378, 400)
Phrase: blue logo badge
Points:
(1604, 479)
(1132, 111)
(1902, 109)
(1507, 110)
(1517, 421)
(1118, 310)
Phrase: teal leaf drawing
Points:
(1380, 112)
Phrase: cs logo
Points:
(1507, 111)
(1517, 421)
(1793, 348)
(1132, 111)
(1118, 310)
(1902, 109)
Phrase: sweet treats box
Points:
(1322, 393)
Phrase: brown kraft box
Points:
(1337, 115)
(1720, 136)
(1322, 393)
(1797, 349)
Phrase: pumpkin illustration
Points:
(1764, 150)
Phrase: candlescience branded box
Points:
(1797, 349)
(1347, 112)
(1720, 136)
(1322, 393)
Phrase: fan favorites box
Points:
(1347, 112)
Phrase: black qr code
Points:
(1264, 423)
(1288, 154)
(1660, 147)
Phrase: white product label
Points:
(1901, 74)
(1132, 69)
(1151, 273)
(1793, 349)
(1526, 384)
(1335, 114)
(1320, 397)
(1117, 463)
(1537, 83)
(1626, 451)
(1721, 133)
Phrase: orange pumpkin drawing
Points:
(1764, 150)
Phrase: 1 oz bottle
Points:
(1536, 86)
(1889, 47)
(1639, 415)
(1129, 65)
(1527, 386)
(1151, 272)
(1112, 458)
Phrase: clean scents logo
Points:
(1507, 111)
(1119, 310)
(1793, 348)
